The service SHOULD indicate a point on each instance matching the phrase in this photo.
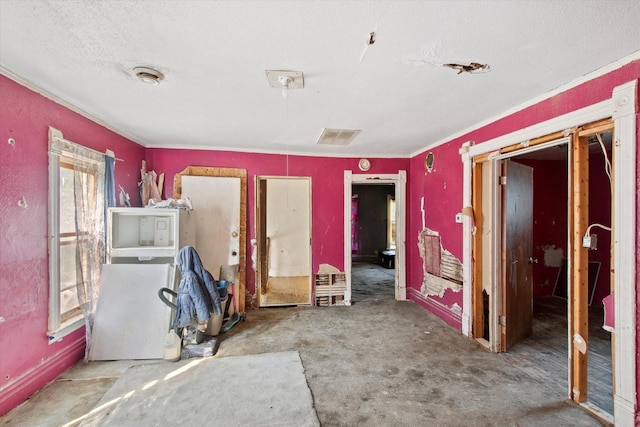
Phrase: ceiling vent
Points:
(337, 136)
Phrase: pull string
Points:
(286, 127)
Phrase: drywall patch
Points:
(450, 271)
(552, 255)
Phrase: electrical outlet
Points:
(590, 242)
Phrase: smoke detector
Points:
(148, 75)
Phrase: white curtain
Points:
(93, 191)
(89, 187)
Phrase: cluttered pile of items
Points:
(203, 308)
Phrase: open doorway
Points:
(578, 125)
(399, 183)
(373, 243)
(548, 342)
(550, 292)
(283, 240)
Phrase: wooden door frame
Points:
(225, 173)
(621, 107)
(493, 261)
(400, 182)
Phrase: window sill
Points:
(65, 329)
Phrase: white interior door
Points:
(216, 201)
(288, 227)
(284, 227)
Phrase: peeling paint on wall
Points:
(456, 309)
(450, 268)
(327, 269)
(552, 255)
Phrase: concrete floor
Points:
(376, 363)
(370, 281)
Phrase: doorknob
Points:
(234, 234)
(533, 260)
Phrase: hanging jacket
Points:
(193, 303)
(198, 296)
(209, 283)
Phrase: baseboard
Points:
(22, 387)
(437, 308)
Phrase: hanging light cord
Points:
(607, 162)
(286, 131)
(607, 169)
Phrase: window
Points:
(68, 239)
(76, 233)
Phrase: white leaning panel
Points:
(131, 321)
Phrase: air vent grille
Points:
(337, 136)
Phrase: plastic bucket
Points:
(215, 322)
(172, 347)
(222, 288)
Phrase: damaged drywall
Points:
(327, 269)
(447, 275)
(552, 255)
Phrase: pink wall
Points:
(327, 190)
(600, 212)
(27, 361)
(442, 192)
(549, 218)
(442, 189)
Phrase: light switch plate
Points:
(459, 218)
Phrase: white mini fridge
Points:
(131, 321)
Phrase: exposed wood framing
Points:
(520, 145)
(478, 303)
(623, 107)
(579, 265)
(570, 273)
(533, 142)
(503, 259)
(261, 237)
(596, 127)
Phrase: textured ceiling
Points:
(214, 55)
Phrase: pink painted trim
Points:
(21, 388)
(436, 308)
